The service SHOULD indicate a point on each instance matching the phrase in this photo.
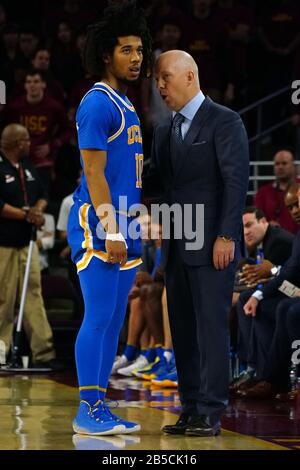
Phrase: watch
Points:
(226, 239)
(274, 270)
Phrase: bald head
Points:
(177, 78)
(11, 134)
(284, 167)
(15, 141)
(180, 60)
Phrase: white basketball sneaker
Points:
(139, 363)
(120, 361)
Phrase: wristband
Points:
(116, 237)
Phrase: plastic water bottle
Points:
(2, 353)
(259, 260)
(293, 377)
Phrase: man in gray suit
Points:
(200, 156)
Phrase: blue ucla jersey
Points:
(106, 120)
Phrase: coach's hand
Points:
(251, 306)
(116, 252)
(223, 253)
(252, 273)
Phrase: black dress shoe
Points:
(180, 426)
(203, 426)
(241, 382)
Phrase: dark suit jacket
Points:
(290, 271)
(277, 245)
(211, 168)
(277, 248)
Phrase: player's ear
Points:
(106, 58)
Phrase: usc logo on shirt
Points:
(34, 123)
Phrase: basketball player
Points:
(111, 152)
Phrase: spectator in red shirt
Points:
(270, 197)
(46, 121)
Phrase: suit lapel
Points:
(197, 123)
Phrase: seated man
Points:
(273, 245)
(275, 377)
(274, 242)
(271, 342)
(257, 315)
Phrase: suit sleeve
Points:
(231, 144)
(280, 251)
(289, 271)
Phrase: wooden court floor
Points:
(37, 411)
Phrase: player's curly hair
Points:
(120, 18)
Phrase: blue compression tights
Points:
(105, 291)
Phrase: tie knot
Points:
(178, 119)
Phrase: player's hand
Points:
(251, 306)
(254, 284)
(252, 273)
(223, 253)
(116, 252)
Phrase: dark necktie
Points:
(176, 139)
(177, 122)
